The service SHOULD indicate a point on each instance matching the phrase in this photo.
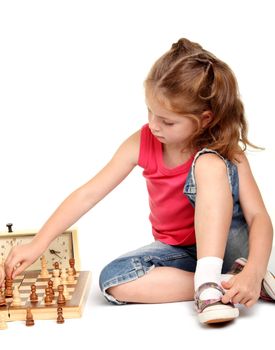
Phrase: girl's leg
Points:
(156, 273)
(160, 285)
(214, 206)
(213, 216)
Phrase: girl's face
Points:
(169, 127)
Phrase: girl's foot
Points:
(213, 310)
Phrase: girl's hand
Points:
(20, 257)
(243, 288)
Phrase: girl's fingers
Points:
(228, 296)
(237, 298)
(11, 265)
(19, 268)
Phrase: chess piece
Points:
(8, 287)
(60, 318)
(33, 295)
(2, 298)
(48, 298)
(70, 278)
(72, 264)
(44, 271)
(3, 323)
(63, 276)
(50, 285)
(60, 299)
(56, 279)
(66, 292)
(29, 318)
(16, 301)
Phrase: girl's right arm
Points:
(76, 205)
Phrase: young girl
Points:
(206, 209)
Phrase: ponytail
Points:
(190, 80)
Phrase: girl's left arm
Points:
(257, 218)
(248, 283)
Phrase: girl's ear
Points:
(206, 118)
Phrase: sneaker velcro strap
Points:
(202, 304)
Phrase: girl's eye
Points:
(167, 123)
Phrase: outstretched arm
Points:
(245, 287)
(76, 205)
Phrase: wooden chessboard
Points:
(78, 292)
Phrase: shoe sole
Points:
(218, 314)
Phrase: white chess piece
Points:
(70, 277)
(66, 292)
(64, 276)
(56, 279)
(16, 297)
(44, 271)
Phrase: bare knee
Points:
(162, 284)
(118, 292)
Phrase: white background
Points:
(71, 90)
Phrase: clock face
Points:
(60, 250)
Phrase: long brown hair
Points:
(190, 80)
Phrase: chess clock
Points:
(64, 247)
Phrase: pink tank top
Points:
(172, 215)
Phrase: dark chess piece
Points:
(72, 264)
(60, 318)
(60, 299)
(33, 295)
(8, 288)
(48, 298)
(29, 318)
(50, 285)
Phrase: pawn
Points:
(16, 301)
(3, 323)
(70, 278)
(48, 298)
(66, 292)
(72, 264)
(63, 276)
(60, 299)
(29, 318)
(33, 295)
(60, 318)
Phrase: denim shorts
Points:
(135, 264)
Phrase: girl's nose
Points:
(153, 124)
